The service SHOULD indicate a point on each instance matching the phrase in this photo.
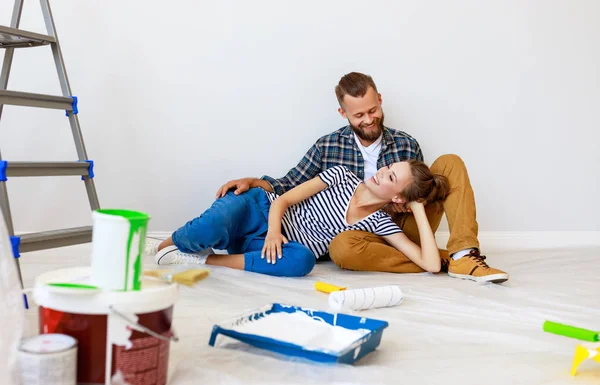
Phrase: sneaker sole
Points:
(494, 278)
(159, 258)
(161, 254)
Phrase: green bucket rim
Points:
(127, 214)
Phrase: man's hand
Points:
(240, 185)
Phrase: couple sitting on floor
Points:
(361, 195)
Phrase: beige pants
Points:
(360, 250)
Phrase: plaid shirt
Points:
(339, 148)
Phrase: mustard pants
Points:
(360, 250)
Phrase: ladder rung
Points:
(17, 98)
(17, 38)
(47, 168)
(55, 238)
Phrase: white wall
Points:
(178, 97)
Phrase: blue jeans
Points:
(239, 224)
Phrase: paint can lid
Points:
(48, 343)
(155, 295)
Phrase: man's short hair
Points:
(354, 84)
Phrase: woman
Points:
(282, 235)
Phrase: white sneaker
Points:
(171, 255)
(151, 246)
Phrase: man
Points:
(364, 146)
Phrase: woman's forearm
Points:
(290, 198)
(276, 212)
(429, 250)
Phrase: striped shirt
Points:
(339, 149)
(315, 221)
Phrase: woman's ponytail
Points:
(439, 190)
(425, 185)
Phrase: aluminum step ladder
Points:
(12, 38)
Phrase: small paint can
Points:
(48, 359)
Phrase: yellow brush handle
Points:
(327, 287)
(187, 277)
(157, 273)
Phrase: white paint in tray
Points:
(301, 329)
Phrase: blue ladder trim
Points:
(3, 167)
(15, 242)
(75, 109)
(90, 169)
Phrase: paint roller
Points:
(367, 298)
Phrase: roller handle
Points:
(571, 331)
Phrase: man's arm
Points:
(243, 185)
(417, 150)
(307, 168)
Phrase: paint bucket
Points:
(48, 359)
(121, 334)
(118, 239)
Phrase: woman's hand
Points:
(272, 247)
(398, 208)
(414, 205)
(426, 255)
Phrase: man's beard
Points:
(372, 135)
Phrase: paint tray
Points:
(348, 355)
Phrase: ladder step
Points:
(47, 168)
(55, 238)
(17, 38)
(17, 98)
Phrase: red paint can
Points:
(133, 329)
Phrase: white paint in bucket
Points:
(113, 316)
